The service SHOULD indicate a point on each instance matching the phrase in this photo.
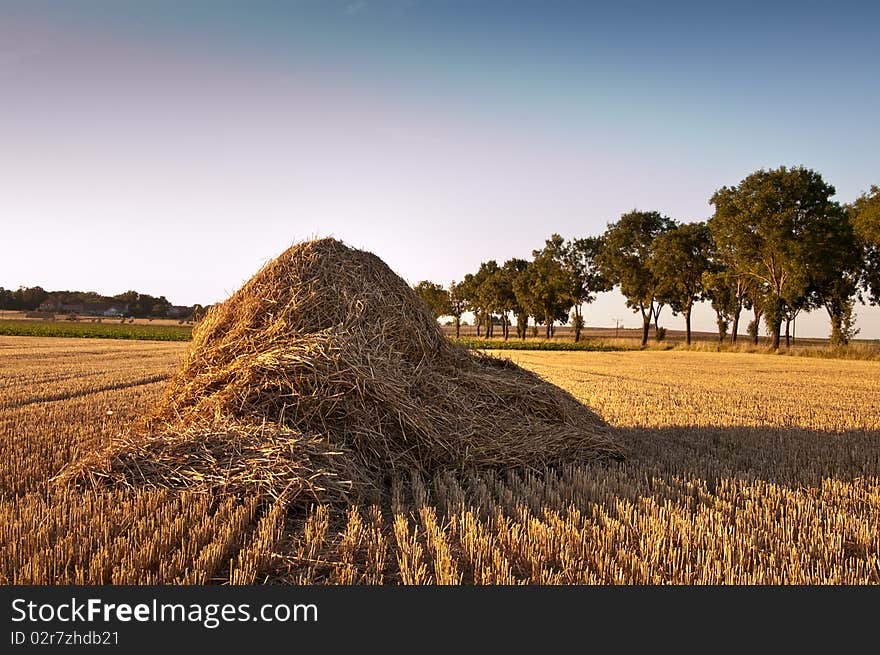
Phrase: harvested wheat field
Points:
(312, 435)
(723, 483)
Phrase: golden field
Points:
(741, 468)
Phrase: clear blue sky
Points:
(173, 147)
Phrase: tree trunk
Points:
(548, 328)
(646, 325)
(457, 327)
(838, 338)
(758, 316)
(788, 332)
(777, 333)
(735, 325)
(687, 326)
(836, 333)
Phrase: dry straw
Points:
(323, 374)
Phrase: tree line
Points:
(777, 245)
(140, 305)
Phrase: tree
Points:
(585, 280)
(681, 258)
(23, 298)
(513, 270)
(469, 288)
(727, 286)
(756, 300)
(476, 288)
(142, 304)
(765, 223)
(543, 288)
(457, 304)
(626, 260)
(837, 271)
(865, 218)
(726, 292)
(498, 292)
(435, 297)
(491, 294)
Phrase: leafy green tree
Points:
(435, 297)
(865, 217)
(723, 324)
(514, 269)
(765, 222)
(753, 328)
(726, 282)
(543, 288)
(585, 280)
(469, 287)
(681, 258)
(493, 292)
(726, 292)
(142, 304)
(498, 292)
(836, 272)
(485, 296)
(755, 300)
(627, 257)
(29, 298)
(457, 304)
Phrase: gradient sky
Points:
(174, 147)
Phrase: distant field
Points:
(741, 469)
(90, 330)
(142, 330)
(565, 334)
(543, 344)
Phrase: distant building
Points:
(110, 308)
(50, 304)
(104, 308)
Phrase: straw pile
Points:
(324, 373)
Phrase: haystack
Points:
(325, 372)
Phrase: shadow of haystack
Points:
(324, 373)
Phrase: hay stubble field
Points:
(740, 468)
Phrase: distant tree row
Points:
(777, 245)
(23, 298)
(560, 278)
(140, 305)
